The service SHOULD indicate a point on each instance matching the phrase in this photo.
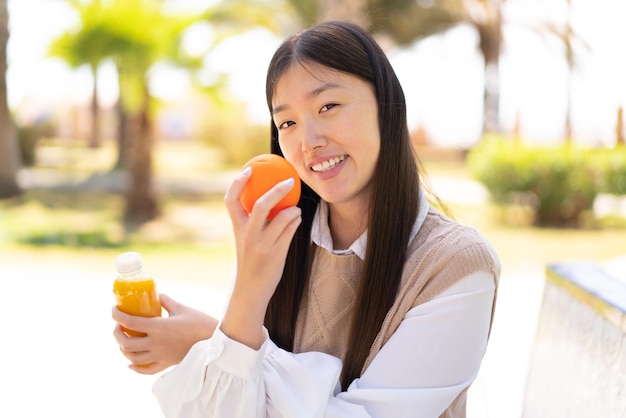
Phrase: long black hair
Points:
(394, 201)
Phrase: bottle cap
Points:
(128, 262)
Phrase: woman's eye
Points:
(327, 107)
(286, 124)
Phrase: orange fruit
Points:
(267, 171)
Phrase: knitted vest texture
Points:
(442, 253)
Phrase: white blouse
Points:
(433, 355)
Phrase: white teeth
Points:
(328, 164)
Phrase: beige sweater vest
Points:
(442, 253)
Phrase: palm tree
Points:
(9, 155)
(154, 36)
(136, 35)
(408, 21)
(143, 34)
(89, 45)
(573, 45)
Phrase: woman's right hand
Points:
(262, 248)
(167, 340)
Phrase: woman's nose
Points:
(312, 137)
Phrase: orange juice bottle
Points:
(134, 289)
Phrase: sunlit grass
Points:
(76, 228)
(45, 217)
(524, 248)
(49, 218)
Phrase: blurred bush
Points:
(559, 183)
(29, 135)
(613, 164)
(236, 138)
(238, 149)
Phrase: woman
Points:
(362, 301)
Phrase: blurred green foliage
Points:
(237, 141)
(135, 34)
(84, 218)
(29, 135)
(559, 183)
(613, 164)
(72, 219)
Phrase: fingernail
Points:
(246, 171)
(289, 182)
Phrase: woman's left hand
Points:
(167, 339)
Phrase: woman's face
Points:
(328, 130)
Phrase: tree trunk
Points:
(491, 98)
(569, 55)
(568, 108)
(9, 150)
(619, 127)
(94, 137)
(122, 136)
(141, 202)
(490, 38)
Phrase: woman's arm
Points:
(261, 251)
(433, 355)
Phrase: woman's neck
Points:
(346, 224)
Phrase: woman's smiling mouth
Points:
(328, 164)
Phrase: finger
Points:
(130, 344)
(267, 201)
(137, 357)
(293, 217)
(151, 368)
(119, 335)
(144, 362)
(170, 305)
(136, 323)
(233, 193)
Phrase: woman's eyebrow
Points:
(321, 89)
(313, 93)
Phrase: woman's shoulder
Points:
(442, 240)
(438, 228)
(443, 253)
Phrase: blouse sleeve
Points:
(434, 354)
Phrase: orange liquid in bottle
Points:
(137, 297)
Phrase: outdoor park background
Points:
(59, 236)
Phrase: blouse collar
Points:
(320, 230)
